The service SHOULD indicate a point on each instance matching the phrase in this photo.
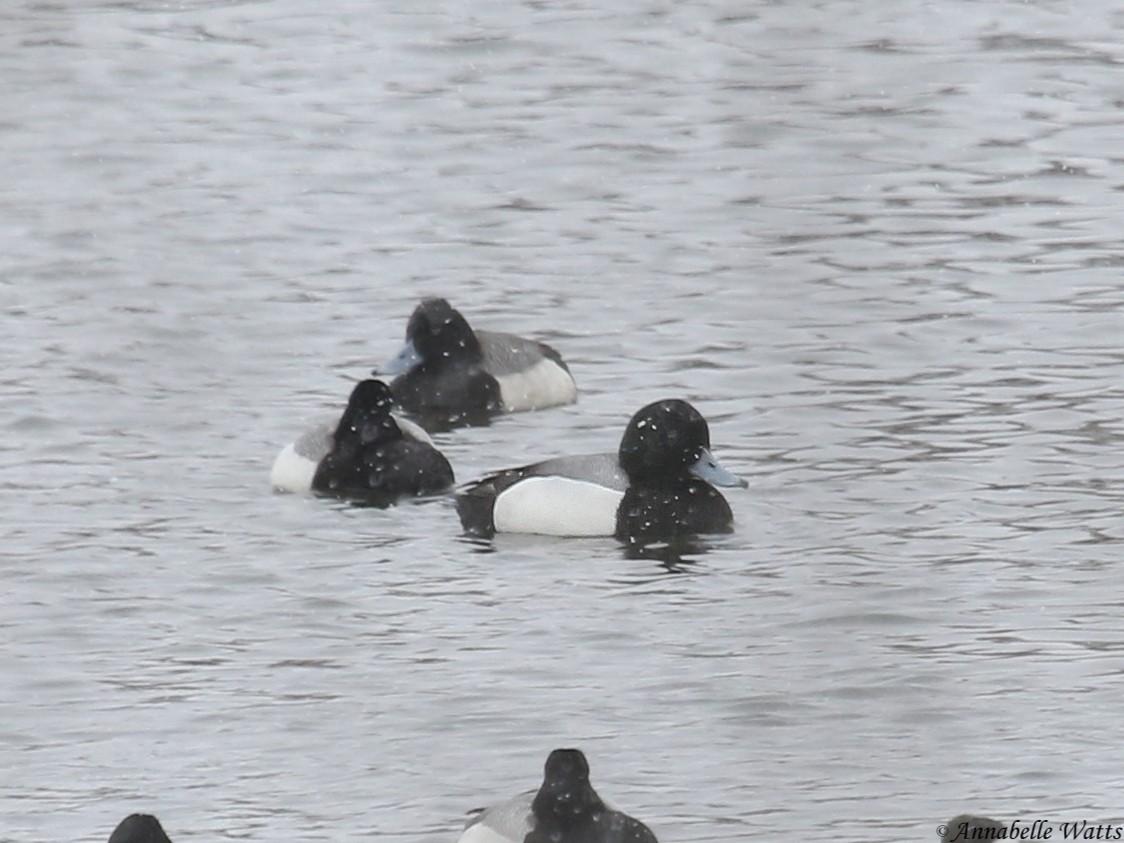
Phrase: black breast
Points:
(380, 472)
(672, 511)
(449, 395)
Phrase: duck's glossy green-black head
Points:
(663, 439)
(668, 440)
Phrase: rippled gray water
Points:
(876, 244)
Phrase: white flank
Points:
(546, 384)
(411, 429)
(508, 822)
(557, 506)
(291, 472)
(481, 833)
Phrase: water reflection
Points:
(677, 556)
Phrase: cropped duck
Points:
(657, 486)
(968, 827)
(369, 455)
(566, 809)
(449, 374)
(139, 828)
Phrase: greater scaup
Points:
(449, 374)
(566, 809)
(657, 486)
(139, 828)
(966, 828)
(369, 455)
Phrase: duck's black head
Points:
(367, 417)
(438, 331)
(566, 797)
(967, 827)
(139, 828)
(663, 440)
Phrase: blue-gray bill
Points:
(404, 361)
(708, 469)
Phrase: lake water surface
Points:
(877, 244)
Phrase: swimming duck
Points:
(566, 809)
(966, 828)
(657, 486)
(449, 374)
(368, 455)
(139, 828)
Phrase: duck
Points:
(448, 374)
(139, 828)
(369, 455)
(968, 827)
(565, 809)
(657, 486)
